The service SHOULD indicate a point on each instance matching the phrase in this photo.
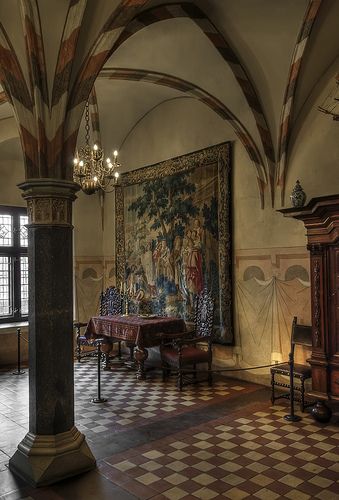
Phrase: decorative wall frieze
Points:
(283, 263)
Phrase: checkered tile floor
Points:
(251, 454)
(132, 403)
(240, 449)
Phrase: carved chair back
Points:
(204, 308)
(301, 335)
(110, 302)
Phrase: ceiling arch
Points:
(194, 13)
(206, 98)
(287, 108)
(93, 63)
(232, 37)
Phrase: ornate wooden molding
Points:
(320, 217)
(316, 303)
(316, 248)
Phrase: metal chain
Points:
(87, 128)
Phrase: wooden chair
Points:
(110, 305)
(301, 335)
(188, 349)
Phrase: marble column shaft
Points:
(53, 449)
(51, 381)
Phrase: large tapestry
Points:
(173, 234)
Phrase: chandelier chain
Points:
(87, 128)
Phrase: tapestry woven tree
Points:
(175, 234)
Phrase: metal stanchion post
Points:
(292, 417)
(19, 371)
(99, 399)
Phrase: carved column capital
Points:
(49, 201)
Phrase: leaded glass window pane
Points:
(5, 292)
(6, 230)
(23, 231)
(24, 285)
(13, 264)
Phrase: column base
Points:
(42, 460)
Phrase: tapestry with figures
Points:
(173, 234)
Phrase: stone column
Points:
(53, 449)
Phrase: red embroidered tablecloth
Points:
(143, 332)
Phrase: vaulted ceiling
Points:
(258, 64)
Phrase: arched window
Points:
(13, 264)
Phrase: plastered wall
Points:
(11, 173)
(269, 250)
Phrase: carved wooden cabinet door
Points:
(321, 220)
(319, 361)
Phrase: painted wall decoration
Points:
(265, 310)
(173, 234)
(271, 287)
(92, 275)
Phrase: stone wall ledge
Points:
(6, 328)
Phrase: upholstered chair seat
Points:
(189, 355)
(179, 352)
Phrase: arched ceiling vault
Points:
(253, 62)
(196, 92)
(193, 12)
(287, 108)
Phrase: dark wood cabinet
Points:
(321, 220)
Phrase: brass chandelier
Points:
(90, 170)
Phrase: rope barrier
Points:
(231, 369)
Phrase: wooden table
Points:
(143, 332)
